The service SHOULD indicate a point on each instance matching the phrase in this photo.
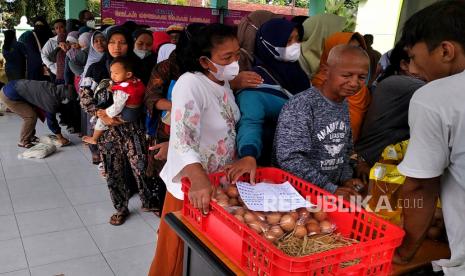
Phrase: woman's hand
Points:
(162, 153)
(246, 79)
(245, 165)
(201, 190)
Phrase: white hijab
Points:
(165, 51)
(94, 56)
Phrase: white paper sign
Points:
(271, 197)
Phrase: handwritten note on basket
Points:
(271, 197)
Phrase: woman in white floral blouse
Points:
(202, 138)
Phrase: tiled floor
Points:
(54, 215)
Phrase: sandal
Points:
(155, 210)
(96, 160)
(119, 217)
(26, 146)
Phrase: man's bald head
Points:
(346, 72)
(342, 52)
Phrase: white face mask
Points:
(90, 24)
(225, 72)
(289, 54)
(141, 53)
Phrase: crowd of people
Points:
(300, 94)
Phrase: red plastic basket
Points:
(256, 256)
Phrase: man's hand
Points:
(245, 165)
(162, 153)
(246, 79)
(355, 184)
(362, 171)
(417, 219)
(345, 192)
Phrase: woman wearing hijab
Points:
(123, 143)
(14, 53)
(165, 51)
(78, 56)
(316, 29)
(358, 103)
(143, 41)
(246, 33)
(277, 50)
(98, 47)
(34, 41)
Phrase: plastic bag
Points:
(384, 187)
(39, 151)
(50, 140)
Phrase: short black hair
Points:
(60, 20)
(397, 54)
(140, 32)
(368, 39)
(444, 20)
(203, 43)
(127, 63)
(82, 14)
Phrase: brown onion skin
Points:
(260, 215)
(276, 230)
(287, 222)
(273, 218)
(233, 201)
(326, 227)
(240, 211)
(249, 217)
(255, 226)
(232, 191)
(320, 216)
(313, 228)
(294, 214)
(300, 231)
(239, 218)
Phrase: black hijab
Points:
(289, 74)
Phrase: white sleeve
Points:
(45, 53)
(428, 151)
(186, 118)
(119, 101)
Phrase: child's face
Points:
(118, 73)
(64, 46)
(74, 45)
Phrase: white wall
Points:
(379, 18)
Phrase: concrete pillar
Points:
(316, 7)
(73, 7)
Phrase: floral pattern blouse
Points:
(204, 115)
